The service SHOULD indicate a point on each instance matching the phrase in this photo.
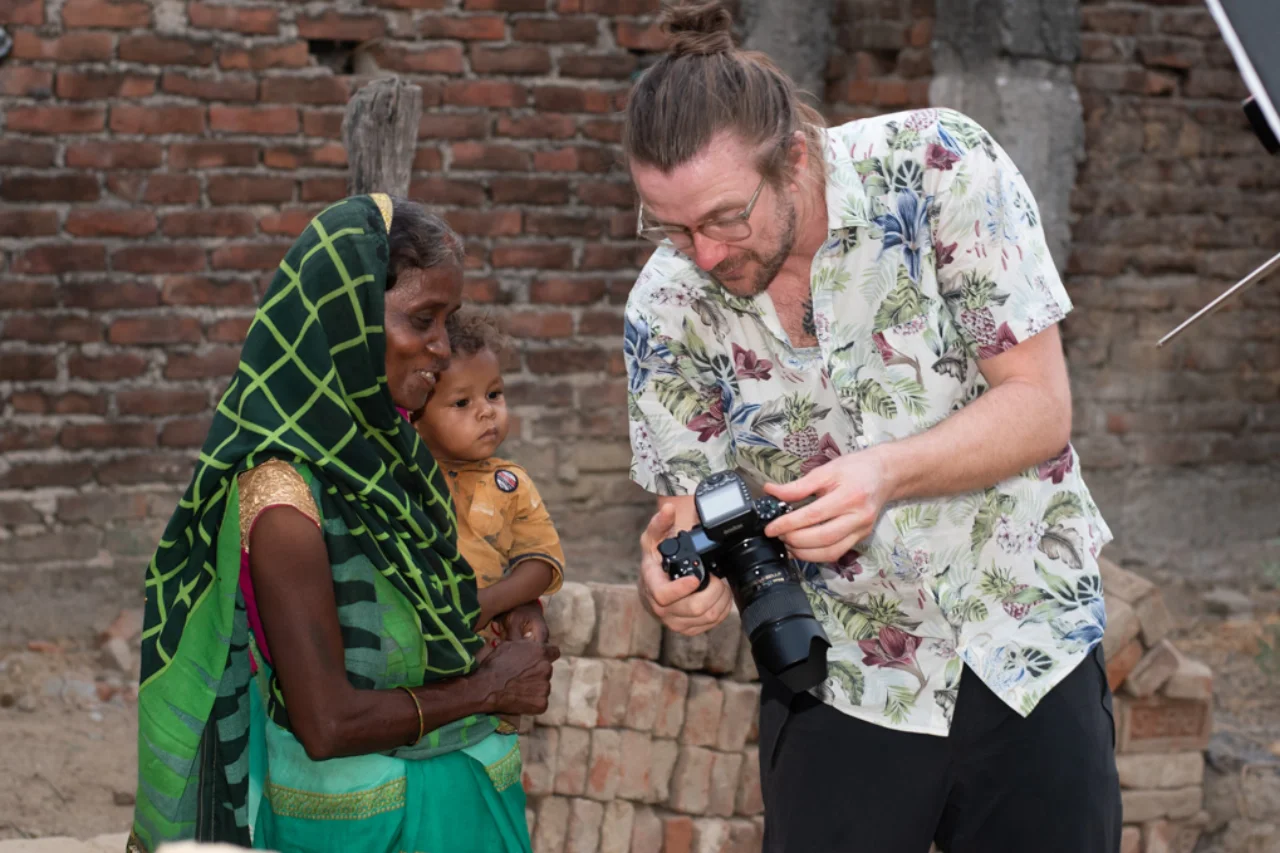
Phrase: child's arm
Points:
(522, 585)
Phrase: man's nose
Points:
(707, 252)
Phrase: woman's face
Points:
(417, 343)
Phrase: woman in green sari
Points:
(310, 676)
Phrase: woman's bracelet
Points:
(417, 706)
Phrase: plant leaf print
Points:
(850, 679)
(907, 228)
(873, 179)
(644, 357)
(903, 304)
(692, 464)
(1062, 506)
(772, 463)
(909, 178)
(898, 703)
(1065, 544)
(678, 398)
(984, 522)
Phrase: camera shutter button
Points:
(668, 547)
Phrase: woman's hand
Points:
(678, 604)
(520, 675)
(852, 493)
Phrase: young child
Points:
(504, 530)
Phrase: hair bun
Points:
(698, 28)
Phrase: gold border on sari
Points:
(356, 805)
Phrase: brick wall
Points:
(1175, 201)
(158, 157)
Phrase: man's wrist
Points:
(897, 469)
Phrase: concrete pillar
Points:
(1009, 64)
(796, 34)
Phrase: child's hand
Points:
(486, 598)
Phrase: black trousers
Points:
(998, 783)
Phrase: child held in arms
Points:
(504, 531)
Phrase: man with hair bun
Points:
(865, 318)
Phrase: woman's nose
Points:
(707, 252)
(438, 345)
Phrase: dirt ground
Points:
(68, 718)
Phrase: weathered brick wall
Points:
(1175, 200)
(157, 158)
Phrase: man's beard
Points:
(766, 268)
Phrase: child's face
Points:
(466, 418)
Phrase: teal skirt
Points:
(467, 801)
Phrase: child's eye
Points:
(461, 404)
(495, 395)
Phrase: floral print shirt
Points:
(935, 260)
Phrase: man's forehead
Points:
(723, 171)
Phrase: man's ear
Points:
(798, 157)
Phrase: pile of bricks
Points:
(1164, 716)
(649, 741)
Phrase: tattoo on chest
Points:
(807, 322)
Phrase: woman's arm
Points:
(294, 588)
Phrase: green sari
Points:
(216, 758)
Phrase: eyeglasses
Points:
(731, 229)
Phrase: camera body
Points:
(786, 640)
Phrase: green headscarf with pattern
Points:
(311, 389)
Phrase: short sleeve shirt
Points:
(935, 260)
(502, 520)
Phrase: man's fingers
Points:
(668, 592)
(823, 535)
(798, 490)
(659, 527)
(823, 509)
(830, 553)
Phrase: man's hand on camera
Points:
(852, 490)
(678, 603)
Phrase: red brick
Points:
(145, 468)
(289, 223)
(209, 223)
(633, 36)
(479, 155)
(55, 119)
(572, 99)
(322, 123)
(572, 761)
(106, 14)
(18, 437)
(235, 189)
(419, 59)
(52, 328)
(108, 295)
(127, 186)
(34, 403)
(157, 120)
(154, 329)
(248, 256)
(529, 191)
(328, 155)
(72, 47)
(1122, 663)
(542, 126)
(428, 160)
(533, 255)
(565, 291)
(50, 188)
(607, 257)
(232, 330)
(608, 65)
(410, 4)
(114, 155)
(486, 222)
(172, 189)
(564, 225)
(464, 27)
(340, 27)
(23, 81)
(107, 368)
(600, 324)
(31, 475)
(157, 50)
(58, 258)
(198, 290)
(323, 189)
(22, 152)
(306, 90)
(255, 120)
(251, 20)
(556, 30)
(222, 88)
(265, 56)
(126, 434)
(26, 367)
(518, 59)
(606, 194)
(185, 432)
(1158, 724)
(27, 223)
(207, 155)
(505, 5)
(15, 12)
(438, 125)
(540, 324)
(217, 362)
(146, 260)
(485, 93)
(749, 799)
(110, 222)
(27, 294)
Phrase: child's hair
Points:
(471, 331)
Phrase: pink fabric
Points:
(251, 607)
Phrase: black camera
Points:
(786, 639)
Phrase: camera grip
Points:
(680, 558)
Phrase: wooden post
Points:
(380, 131)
